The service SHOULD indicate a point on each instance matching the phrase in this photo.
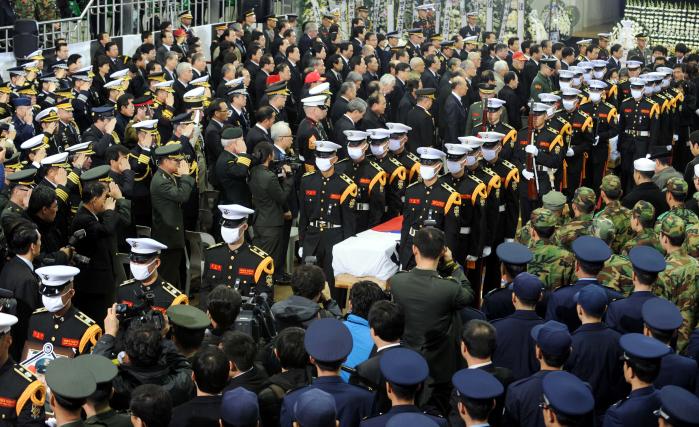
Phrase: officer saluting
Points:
(235, 263)
(327, 200)
(59, 323)
(144, 261)
(17, 385)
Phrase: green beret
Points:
(554, 200)
(188, 316)
(232, 133)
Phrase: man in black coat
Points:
(347, 92)
(232, 168)
(396, 95)
(241, 350)
(453, 122)
(334, 73)
(513, 103)
(212, 135)
(356, 109)
(260, 132)
(293, 60)
(421, 121)
(645, 189)
(374, 117)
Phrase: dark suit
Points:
(342, 124)
(259, 88)
(515, 347)
(296, 82)
(613, 63)
(404, 106)
(513, 106)
(253, 380)
(19, 278)
(395, 97)
(160, 54)
(422, 133)
(256, 135)
(180, 89)
(335, 79)
(429, 79)
(453, 121)
(368, 374)
(338, 109)
(212, 138)
(200, 411)
(372, 121)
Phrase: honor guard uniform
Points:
(429, 203)
(473, 387)
(497, 304)
(68, 330)
(143, 166)
(396, 144)
(310, 132)
(473, 193)
(638, 129)
(370, 178)
(605, 133)
(495, 123)
(327, 210)
(625, 84)
(577, 145)
(637, 409)
(590, 251)
(554, 118)
(396, 173)
(626, 315)
(144, 261)
(654, 92)
(22, 395)
(235, 263)
(678, 407)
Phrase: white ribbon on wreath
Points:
(446, 23)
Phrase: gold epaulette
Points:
(587, 124)
(61, 194)
(91, 335)
(479, 191)
(413, 157)
(380, 177)
(513, 175)
(558, 140)
(258, 251)
(40, 310)
(399, 172)
(309, 173)
(351, 190)
(612, 91)
(453, 200)
(180, 299)
(512, 135)
(654, 109)
(74, 178)
(35, 391)
(245, 161)
(347, 179)
(414, 170)
(266, 266)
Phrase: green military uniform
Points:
(617, 272)
(71, 379)
(564, 236)
(645, 212)
(553, 201)
(644, 54)
(540, 84)
(41, 10)
(677, 186)
(678, 283)
(618, 214)
(691, 241)
(168, 194)
(104, 371)
(551, 263)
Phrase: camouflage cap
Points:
(610, 183)
(673, 226)
(554, 200)
(691, 242)
(644, 211)
(603, 228)
(677, 185)
(543, 218)
(585, 197)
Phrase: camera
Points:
(294, 163)
(256, 318)
(72, 241)
(8, 303)
(142, 313)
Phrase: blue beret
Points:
(661, 314)
(328, 340)
(22, 101)
(678, 406)
(403, 366)
(593, 299)
(412, 419)
(646, 258)
(642, 347)
(591, 249)
(552, 337)
(527, 286)
(513, 253)
(315, 408)
(567, 394)
(239, 407)
(476, 384)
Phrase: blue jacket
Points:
(362, 343)
(625, 316)
(635, 410)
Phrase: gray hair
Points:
(467, 65)
(353, 76)
(357, 104)
(311, 27)
(500, 66)
(414, 62)
(387, 80)
(183, 67)
(279, 129)
(346, 87)
(172, 54)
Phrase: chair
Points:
(124, 259)
(197, 242)
(290, 252)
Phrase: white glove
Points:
(613, 142)
(696, 111)
(471, 258)
(486, 251)
(596, 141)
(527, 175)
(675, 137)
(570, 152)
(509, 240)
(300, 251)
(531, 150)
(614, 155)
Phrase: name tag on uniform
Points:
(38, 335)
(7, 403)
(216, 267)
(335, 196)
(70, 342)
(310, 192)
(438, 203)
(414, 201)
(246, 271)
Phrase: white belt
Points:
(402, 199)
(501, 208)
(362, 206)
(644, 133)
(465, 230)
(302, 158)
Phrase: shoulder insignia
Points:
(170, 289)
(347, 179)
(399, 172)
(612, 91)
(413, 157)
(40, 310)
(309, 173)
(494, 183)
(513, 176)
(243, 160)
(24, 373)
(558, 140)
(611, 115)
(84, 318)
(91, 335)
(414, 170)
(128, 282)
(395, 161)
(448, 187)
(180, 299)
(266, 266)
(479, 191)
(626, 100)
(453, 200)
(351, 190)
(82, 97)
(36, 392)
(258, 251)
(215, 246)
(655, 111)
(376, 166)
(416, 182)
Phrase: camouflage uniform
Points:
(555, 202)
(677, 186)
(617, 272)
(41, 10)
(554, 265)
(645, 212)
(678, 283)
(618, 214)
(691, 241)
(585, 198)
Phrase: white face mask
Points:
(488, 154)
(564, 85)
(568, 105)
(577, 81)
(53, 304)
(595, 96)
(378, 150)
(427, 172)
(453, 167)
(599, 74)
(230, 235)
(323, 164)
(656, 88)
(636, 93)
(140, 271)
(587, 77)
(551, 111)
(665, 83)
(355, 152)
(394, 144)
(471, 160)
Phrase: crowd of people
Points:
(547, 252)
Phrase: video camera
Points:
(72, 241)
(256, 318)
(142, 313)
(294, 163)
(8, 303)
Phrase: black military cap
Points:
(182, 119)
(362, 8)
(271, 17)
(278, 89)
(22, 177)
(660, 152)
(232, 133)
(551, 62)
(103, 112)
(447, 44)
(486, 88)
(100, 173)
(170, 150)
(426, 92)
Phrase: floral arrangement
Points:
(536, 27)
(557, 18)
(624, 33)
(668, 22)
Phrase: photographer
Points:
(269, 197)
(147, 359)
(308, 283)
(42, 210)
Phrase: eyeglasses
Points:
(322, 107)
